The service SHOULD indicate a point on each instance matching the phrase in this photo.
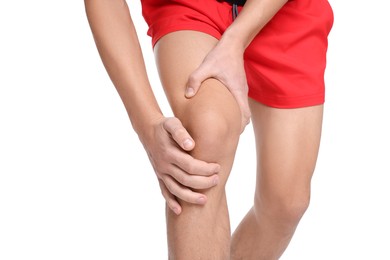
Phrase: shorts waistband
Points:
(234, 2)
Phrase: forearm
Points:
(119, 48)
(253, 17)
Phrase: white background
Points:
(75, 182)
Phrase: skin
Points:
(209, 98)
(287, 143)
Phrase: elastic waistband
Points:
(236, 2)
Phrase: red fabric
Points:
(284, 64)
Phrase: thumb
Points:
(181, 136)
(196, 79)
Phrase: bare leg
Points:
(213, 119)
(287, 142)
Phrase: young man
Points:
(211, 55)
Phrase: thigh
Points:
(178, 54)
(287, 143)
(213, 111)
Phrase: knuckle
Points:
(169, 185)
(210, 170)
(169, 122)
(175, 159)
(178, 132)
(186, 197)
(210, 182)
(183, 164)
(165, 157)
(184, 179)
(191, 168)
(177, 176)
(174, 120)
(166, 122)
(192, 77)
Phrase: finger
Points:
(195, 80)
(182, 192)
(242, 101)
(169, 198)
(194, 166)
(175, 128)
(193, 181)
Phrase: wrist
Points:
(231, 40)
(146, 129)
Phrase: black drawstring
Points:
(235, 4)
(234, 11)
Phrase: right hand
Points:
(178, 172)
(225, 62)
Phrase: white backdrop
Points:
(75, 182)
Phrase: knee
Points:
(284, 209)
(216, 136)
(215, 131)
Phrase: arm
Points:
(253, 17)
(119, 48)
(225, 61)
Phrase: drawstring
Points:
(234, 11)
(235, 4)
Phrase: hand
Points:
(177, 171)
(226, 64)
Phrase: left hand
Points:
(226, 64)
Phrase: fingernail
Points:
(190, 92)
(201, 200)
(187, 144)
(176, 210)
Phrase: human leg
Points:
(213, 119)
(287, 143)
(286, 71)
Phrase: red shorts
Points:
(284, 64)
